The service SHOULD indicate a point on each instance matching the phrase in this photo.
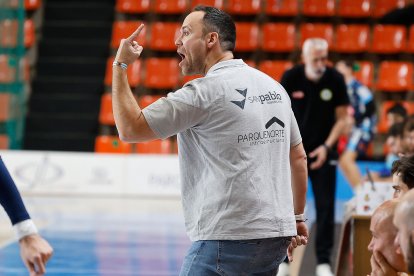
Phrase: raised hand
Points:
(129, 50)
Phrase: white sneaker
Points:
(283, 269)
(324, 270)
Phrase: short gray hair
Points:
(315, 43)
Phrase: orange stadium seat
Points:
(7, 73)
(146, 100)
(133, 72)
(319, 8)
(4, 141)
(278, 37)
(282, 8)
(321, 30)
(394, 76)
(351, 38)
(275, 68)
(29, 33)
(381, 7)
(154, 147)
(5, 99)
(354, 8)
(30, 5)
(365, 74)
(247, 38)
(132, 6)
(214, 3)
(243, 7)
(106, 116)
(123, 29)
(410, 46)
(162, 73)
(389, 39)
(111, 144)
(170, 6)
(163, 35)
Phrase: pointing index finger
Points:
(136, 33)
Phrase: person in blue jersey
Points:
(363, 109)
(34, 250)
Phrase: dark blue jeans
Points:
(235, 257)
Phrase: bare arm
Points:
(129, 119)
(298, 164)
(299, 175)
(321, 152)
(342, 121)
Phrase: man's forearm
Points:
(299, 174)
(125, 108)
(336, 131)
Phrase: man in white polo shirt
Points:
(243, 166)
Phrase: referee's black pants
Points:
(324, 188)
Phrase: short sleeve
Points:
(175, 113)
(295, 137)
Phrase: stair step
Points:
(59, 142)
(63, 123)
(71, 67)
(91, 11)
(77, 30)
(73, 48)
(79, 85)
(65, 103)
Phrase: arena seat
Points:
(282, 8)
(275, 68)
(7, 73)
(30, 5)
(319, 8)
(247, 36)
(354, 8)
(352, 38)
(381, 7)
(106, 116)
(5, 102)
(154, 147)
(111, 144)
(132, 6)
(322, 30)
(4, 141)
(170, 6)
(161, 73)
(213, 3)
(395, 76)
(410, 46)
(163, 35)
(243, 7)
(389, 39)
(278, 37)
(382, 126)
(29, 33)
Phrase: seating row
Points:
(282, 37)
(312, 8)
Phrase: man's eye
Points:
(186, 33)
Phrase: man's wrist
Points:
(24, 228)
(300, 218)
(120, 64)
(328, 148)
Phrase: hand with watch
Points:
(302, 235)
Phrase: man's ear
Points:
(212, 39)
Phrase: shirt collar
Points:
(224, 64)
